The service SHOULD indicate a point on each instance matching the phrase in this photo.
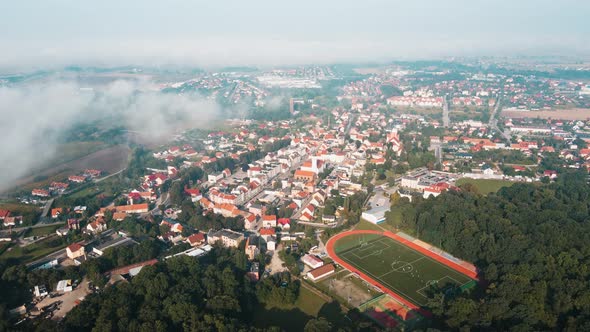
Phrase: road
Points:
(61, 253)
(297, 214)
(55, 255)
(46, 209)
(316, 224)
(299, 211)
(18, 229)
(493, 123)
(159, 201)
(351, 120)
(438, 153)
(446, 119)
(279, 177)
(108, 176)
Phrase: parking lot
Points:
(58, 306)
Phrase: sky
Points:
(272, 32)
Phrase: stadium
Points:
(404, 268)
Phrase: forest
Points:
(212, 293)
(530, 244)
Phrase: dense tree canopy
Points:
(180, 294)
(530, 243)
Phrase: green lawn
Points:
(291, 317)
(485, 186)
(33, 251)
(365, 225)
(16, 207)
(307, 302)
(29, 212)
(91, 191)
(39, 231)
(401, 269)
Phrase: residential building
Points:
(75, 250)
(196, 239)
(228, 238)
(269, 221)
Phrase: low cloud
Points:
(36, 115)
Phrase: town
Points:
(276, 190)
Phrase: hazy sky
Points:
(224, 32)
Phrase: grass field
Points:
(307, 302)
(290, 317)
(365, 225)
(18, 208)
(486, 186)
(91, 190)
(40, 231)
(403, 270)
(33, 251)
(29, 212)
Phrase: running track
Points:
(332, 253)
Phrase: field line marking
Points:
(393, 243)
(384, 283)
(373, 248)
(420, 291)
(431, 259)
(410, 263)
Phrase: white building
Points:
(321, 272)
(312, 261)
(375, 215)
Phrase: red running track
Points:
(443, 260)
(332, 253)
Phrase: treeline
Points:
(182, 293)
(278, 290)
(179, 294)
(140, 159)
(531, 244)
(352, 210)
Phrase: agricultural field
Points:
(74, 150)
(418, 110)
(108, 160)
(561, 114)
(485, 186)
(401, 269)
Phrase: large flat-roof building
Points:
(375, 215)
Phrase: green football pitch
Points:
(403, 270)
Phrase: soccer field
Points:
(402, 269)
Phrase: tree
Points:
(522, 239)
(176, 193)
(318, 325)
